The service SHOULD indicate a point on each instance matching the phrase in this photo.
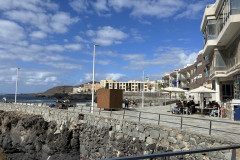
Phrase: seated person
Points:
(215, 109)
(177, 108)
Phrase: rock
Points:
(172, 140)
(154, 134)
(151, 146)
(149, 140)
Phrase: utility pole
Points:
(143, 91)
(16, 86)
(93, 87)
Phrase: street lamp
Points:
(143, 91)
(16, 86)
(93, 77)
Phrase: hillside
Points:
(58, 89)
(62, 89)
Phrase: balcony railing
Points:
(207, 74)
(185, 85)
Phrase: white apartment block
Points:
(221, 33)
(133, 86)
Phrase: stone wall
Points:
(105, 137)
(49, 114)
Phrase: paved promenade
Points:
(195, 123)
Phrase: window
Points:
(235, 7)
(212, 29)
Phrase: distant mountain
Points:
(58, 89)
(62, 89)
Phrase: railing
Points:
(168, 154)
(157, 118)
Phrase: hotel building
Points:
(134, 86)
(218, 64)
(189, 77)
(221, 33)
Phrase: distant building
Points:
(134, 86)
(189, 77)
(87, 87)
(77, 90)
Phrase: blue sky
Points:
(51, 41)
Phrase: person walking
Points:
(4, 99)
(204, 101)
(126, 102)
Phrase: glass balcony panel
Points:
(235, 4)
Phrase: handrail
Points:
(166, 154)
(140, 117)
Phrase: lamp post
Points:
(93, 78)
(16, 86)
(143, 91)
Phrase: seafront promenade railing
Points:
(179, 121)
(179, 153)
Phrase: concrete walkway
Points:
(195, 123)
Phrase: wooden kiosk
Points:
(109, 98)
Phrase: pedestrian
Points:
(4, 99)
(126, 102)
(204, 101)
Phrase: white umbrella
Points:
(174, 90)
(202, 90)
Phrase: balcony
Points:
(185, 85)
(207, 74)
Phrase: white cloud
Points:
(107, 35)
(136, 35)
(51, 23)
(29, 76)
(32, 5)
(73, 47)
(60, 22)
(10, 32)
(193, 10)
(101, 5)
(115, 76)
(172, 57)
(55, 47)
(158, 8)
(38, 35)
(80, 39)
(79, 5)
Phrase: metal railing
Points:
(168, 154)
(159, 117)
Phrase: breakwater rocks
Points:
(29, 137)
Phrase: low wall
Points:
(49, 114)
(107, 137)
(104, 137)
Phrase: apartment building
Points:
(221, 33)
(87, 87)
(134, 86)
(189, 77)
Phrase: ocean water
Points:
(21, 98)
(26, 98)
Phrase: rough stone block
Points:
(149, 140)
(154, 134)
(172, 140)
(142, 136)
(140, 128)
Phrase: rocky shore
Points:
(29, 137)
